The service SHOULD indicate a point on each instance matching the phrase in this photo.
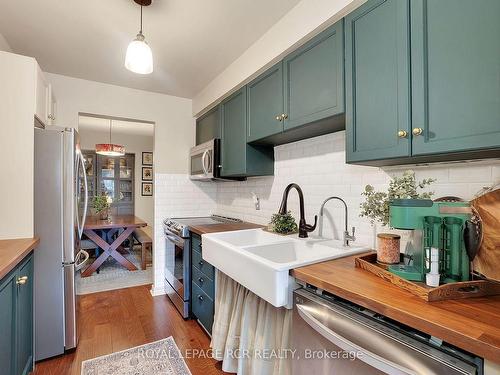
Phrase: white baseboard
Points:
(157, 290)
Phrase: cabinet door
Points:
(314, 79)
(455, 75)
(51, 106)
(377, 81)
(25, 318)
(208, 126)
(8, 294)
(42, 88)
(265, 104)
(234, 117)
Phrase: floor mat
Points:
(112, 275)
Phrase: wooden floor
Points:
(120, 319)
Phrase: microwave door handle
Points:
(375, 360)
(203, 162)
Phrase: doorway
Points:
(125, 182)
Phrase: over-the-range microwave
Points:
(204, 162)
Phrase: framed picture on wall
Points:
(147, 189)
(147, 158)
(147, 174)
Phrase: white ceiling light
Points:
(139, 58)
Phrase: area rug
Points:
(157, 358)
(113, 275)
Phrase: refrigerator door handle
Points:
(86, 197)
(80, 263)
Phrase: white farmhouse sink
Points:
(261, 261)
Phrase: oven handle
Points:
(175, 240)
(373, 359)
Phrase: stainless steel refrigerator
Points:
(60, 212)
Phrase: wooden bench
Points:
(146, 245)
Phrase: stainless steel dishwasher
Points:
(334, 336)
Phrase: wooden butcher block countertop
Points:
(471, 324)
(222, 227)
(13, 251)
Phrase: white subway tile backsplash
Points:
(470, 173)
(318, 166)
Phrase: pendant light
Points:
(139, 58)
(109, 149)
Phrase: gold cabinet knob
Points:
(279, 118)
(402, 134)
(22, 280)
(418, 131)
(284, 116)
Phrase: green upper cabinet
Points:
(238, 158)
(208, 126)
(314, 79)
(265, 104)
(377, 72)
(455, 75)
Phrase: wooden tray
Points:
(458, 290)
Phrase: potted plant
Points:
(376, 208)
(101, 204)
(283, 224)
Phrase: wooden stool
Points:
(146, 244)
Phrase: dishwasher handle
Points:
(373, 359)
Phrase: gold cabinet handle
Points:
(402, 134)
(22, 280)
(284, 116)
(279, 117)
(418, 131)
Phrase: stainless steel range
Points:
(178, 257)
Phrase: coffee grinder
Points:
(437, 225)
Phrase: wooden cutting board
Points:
(487, 260)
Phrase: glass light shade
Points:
(139, 58)
(109, 149)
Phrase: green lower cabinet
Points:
(16, 320)
(455, 49)
(314, 79)
(8, 297)
(265, 104)
(239, 159)
(202, 286)
(377, 81)
(25, 319)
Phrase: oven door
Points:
(202, 159)
(177, 264)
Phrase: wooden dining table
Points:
(127, 223)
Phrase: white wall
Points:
(17, 108)
(4, 45)
(134, 144)
(306, 19)
(174, 124)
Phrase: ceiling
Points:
(98, 124)
(192, 40)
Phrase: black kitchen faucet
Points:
(303, 226)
